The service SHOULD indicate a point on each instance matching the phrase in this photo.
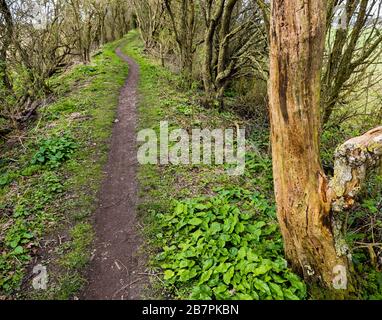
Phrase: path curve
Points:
(115, 272)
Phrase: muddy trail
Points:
(116, 271)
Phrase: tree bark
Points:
(304, 209)
(308, 203)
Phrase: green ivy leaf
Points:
(220, 289)
(262, 269)
(223, 267)
(242, 253)
(208, 264)
(228, 275)
(168, 274)
(262, 286)
(206, 276)
(179, 208)
(195, 222)
(215, 228)
(289, 295)
(296, 282)
(18, 250)
(276, 289)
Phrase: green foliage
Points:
(364, 235)
(54, 151)
(225, 248)
(259, 170)
(61, 107)
(27, 225)
(82, 236)
(39, 201)
(17, 237)
(185, 109)
(7, 178)
(87, 70)
(372, 285)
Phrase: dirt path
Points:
(115, 272)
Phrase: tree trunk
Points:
(183, 28)
(208, 64)
(221, 82)
(6, 39)
(304, 209)
(309, 205)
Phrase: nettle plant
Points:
(219, 249)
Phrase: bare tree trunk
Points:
(184, 29)
(7, 38)
(308, 204)
(297, 44)
(212, 25)
(221, 82)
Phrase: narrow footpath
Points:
(116, 271)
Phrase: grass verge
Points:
(49, 177)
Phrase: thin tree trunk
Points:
(212, 24)
(7, 38)
(223, 51)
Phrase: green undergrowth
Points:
(225, 248)
(49, 176)
(210, 235)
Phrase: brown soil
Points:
(117, 270)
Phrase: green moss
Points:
(79, 252)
